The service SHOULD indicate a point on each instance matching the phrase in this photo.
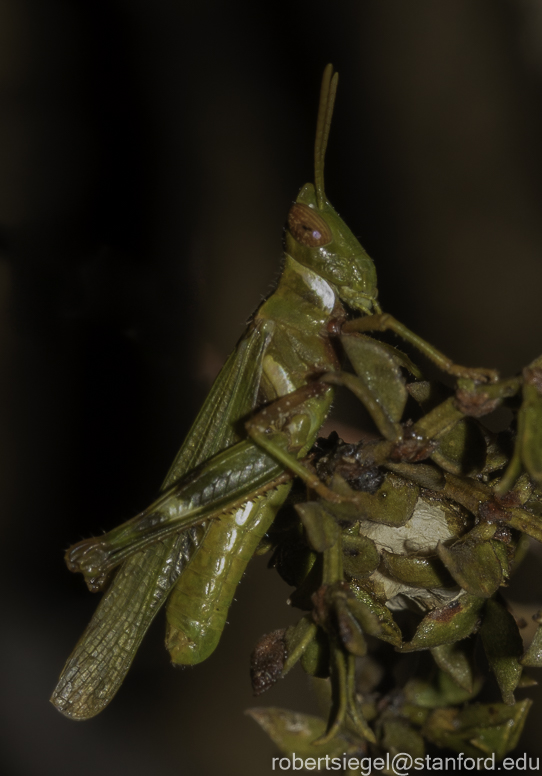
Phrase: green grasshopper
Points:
(233, 472)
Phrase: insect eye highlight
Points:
(308, 227)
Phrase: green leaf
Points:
(426, 475)
(533, 654)
(478, 728)
(380, 623)
(315, 658)
(447, 624)
(455, 662)
(531, 409)
(360, 556)
(426, 572)
(463, 449)
(392, 504)
(297, 638)
(474, 565)
(295, 733)
(378, 369)
(503, 647)
(348, 627)
(399, 736)
(440, 693)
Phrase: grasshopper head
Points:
(317, 237)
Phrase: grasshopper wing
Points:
(96, 668)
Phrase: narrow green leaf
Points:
(533, 654)
(503, 647)
(452, 659)
(297, 638)
(295, 733)
(378, 620)
(531, 409)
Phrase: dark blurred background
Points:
(149, 152)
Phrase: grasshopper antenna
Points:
(325, 112)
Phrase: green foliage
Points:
(426, 577)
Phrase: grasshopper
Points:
(234, 470)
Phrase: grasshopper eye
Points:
(308, 227)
